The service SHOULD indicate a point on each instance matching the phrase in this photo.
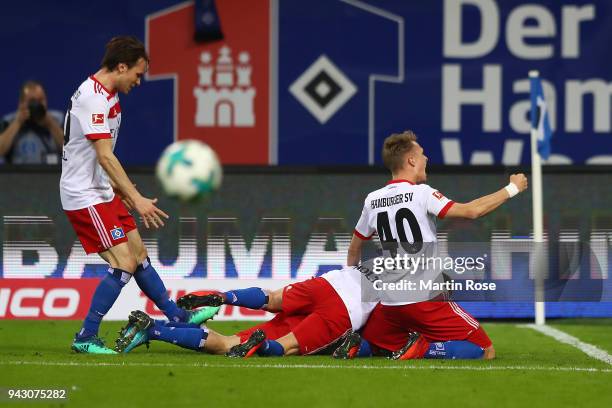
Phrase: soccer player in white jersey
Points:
(95, 189)
(310, 316)
(407, 202)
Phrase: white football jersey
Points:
(402, 211)
(347, 284)
(94, 113)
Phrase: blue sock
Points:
(189, 338)
(183, 325)
(452, 350)
(365, 350)
(271, 348)
(253, 298)
(104, 297)
(151, 284)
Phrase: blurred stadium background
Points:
(297, 99)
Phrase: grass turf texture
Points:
(531, 369)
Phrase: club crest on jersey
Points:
(117, 233)
(97, 119)
(438, 195)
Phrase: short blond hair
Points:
(395, 148)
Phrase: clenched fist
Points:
(520, 181)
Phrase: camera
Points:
(37, 110)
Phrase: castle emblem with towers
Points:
(224, 94)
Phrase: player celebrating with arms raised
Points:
(403, 202)
(94, 188)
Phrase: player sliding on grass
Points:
(95, 190)
(319, 322)
(392, 325)
(310, 316)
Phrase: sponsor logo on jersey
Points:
(97, 119)
(438, 195)
(117, 233)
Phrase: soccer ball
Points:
(188, 170)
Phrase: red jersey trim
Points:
(110, 94)
(96, 136)
(399, 181)
(114, 111)
(362, 237)
(444, 210)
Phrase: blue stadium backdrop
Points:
(321, 82)
(324, 81)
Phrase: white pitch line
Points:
(562, 337)
(306, 366)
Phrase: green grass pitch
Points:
(531, 370)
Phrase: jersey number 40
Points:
(389, 242)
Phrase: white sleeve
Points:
(92, 115)
(437, 204)
(363, 229)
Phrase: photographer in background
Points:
(33, 134)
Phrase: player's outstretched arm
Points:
(354, 251)
(120, 180)
(121, 195)
(484, 205)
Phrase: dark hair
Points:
(30, 83)
(124, 49)
(395, 147)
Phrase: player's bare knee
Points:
(290, 344)
(142, 255)
(128, 264)
(489, 353)
(139, 251)
(229, 342)
(275, 301)
(121, 256)
(136, 246)
(292, 350)
(219, 344)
